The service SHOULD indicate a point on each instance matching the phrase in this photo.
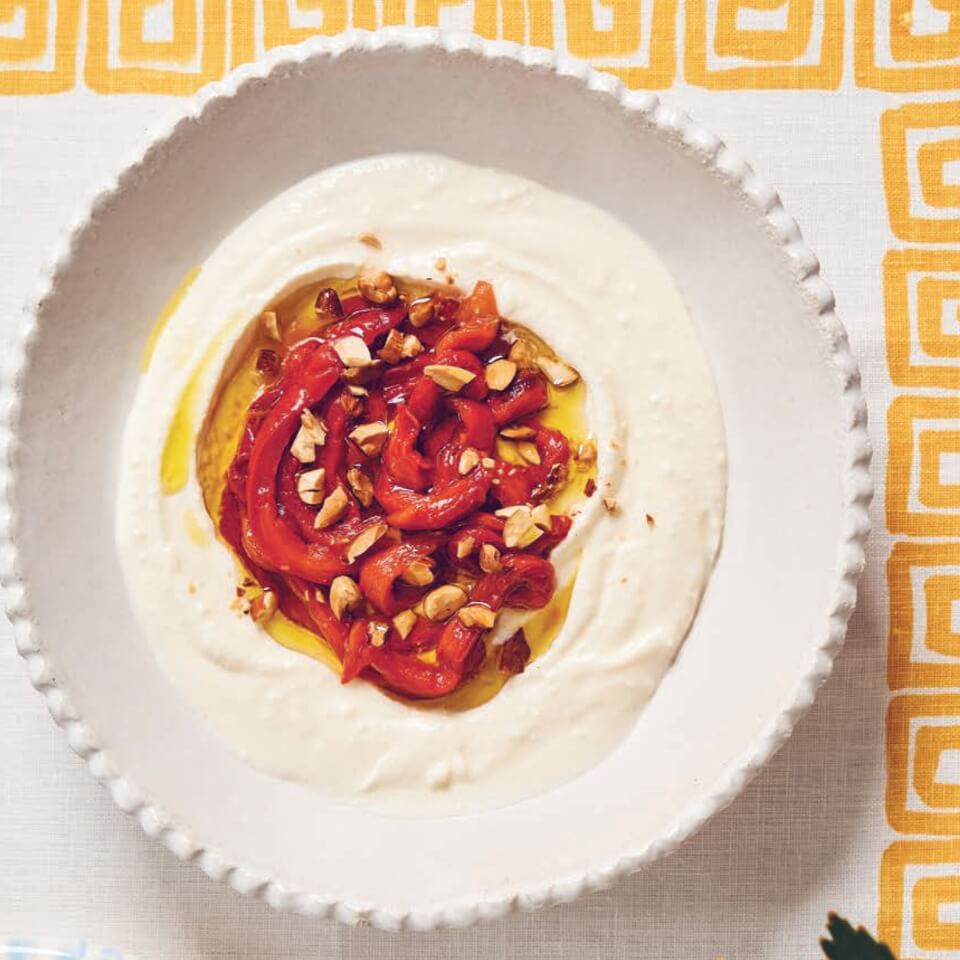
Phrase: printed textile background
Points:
(852, 110)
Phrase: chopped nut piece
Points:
(477, 615)
(310, 486)
(515, 654)
(468, 460)
(490, 558)
(488, 462)
(611, 504)
(319, 595)
(361, 375)
(392, 349)
(361, 485)
(355, 390)
(559, 374)
(328, 304)
(370, 239)
(269, 321)
(412, 347)
(332, 509)
(555, 479)
(440, 264)
(377, 632)
(263, 607)
(586, 452)
(353, 352)
(517, 433)
(651, 523)
(364, 541)
(529, 452)
(404, 622)
(590, 487)
(345, 596)
(520, 530)
(511, 510)
(449, 377)
(443, 602)
(541, 517)
(499, 374)
(370, 437)
(378, 288)
(523, 355)
(312, 434)
(421, 311)
(419, 573)
(465, 547)
(351, 403)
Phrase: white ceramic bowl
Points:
(776, 608)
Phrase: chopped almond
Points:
(270, 327)
(404, 622)
(443, 602)
(377, 632)
(412, 347)
(559, 374)
(364, 541)
(392, 349)
(370, 240)
(370, 437)
(345, 596)
(541, 516)
(355, 390)
(378, 288)
(520, 531)
(529, 452)
(586, 452)
(312, 434)
(465, 547)
(449, 377)
(523, 355)
(359, 375)
(440, 264)
(352, 351)
(499, 374)
(468, 460)
(517, 433)
(511, 510)
(319, 595)
(422, 311)
(332, 509)
(477, 615)
(490, 559)
(419, 573)
(264, 606)
(611, 504)
(310, 486)
(361, 485)
(352, 403)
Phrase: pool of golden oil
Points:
(223, 425)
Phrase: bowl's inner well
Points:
(766, 606)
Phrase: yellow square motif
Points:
(921, 328)
(914, 750)
(39, 59)
(763, 58)
(903, 190)
(924, 875)
(915, 60)
(921, 508)
(933, 492)
(937, 565)
(133, 63)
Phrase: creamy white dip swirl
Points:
(604, 302)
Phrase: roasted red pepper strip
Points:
(406, 466)
(379, 573)
(439, 507)
(527, 394)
